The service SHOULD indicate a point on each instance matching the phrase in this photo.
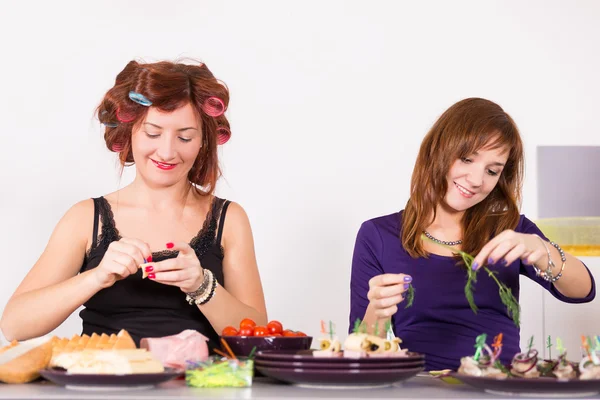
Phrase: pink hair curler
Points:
(117, 147)
(223, 135)
(213, 106)
(125, 117)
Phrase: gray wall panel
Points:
(568, 181)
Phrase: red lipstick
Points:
(164, 166)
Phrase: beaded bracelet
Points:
(547, 274)
(203, 287)
(203, 291)
(202, 299)
(563, 258)
(211, 294)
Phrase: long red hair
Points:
(168, 86)
(467, 126)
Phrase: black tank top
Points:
(143, 307)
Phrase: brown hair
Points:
(464, 128)
(168, 86)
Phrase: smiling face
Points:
(165, 145)
(472, 178)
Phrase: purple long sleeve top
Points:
(440, 323)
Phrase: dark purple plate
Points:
(91, 381)
(243, 345)
(352, 365)
(541, 387)
(340, 377)
(306, 356)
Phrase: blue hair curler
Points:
(139, 98)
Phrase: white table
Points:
(262, 389)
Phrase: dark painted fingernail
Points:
(475, 265)
(406, 286)
(503, 262)
(490, 261)
(152, 276)
(170, 245)
(149, 268)
(407, 278)
(145, 261)
(149, 259)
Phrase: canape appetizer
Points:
(485, 360)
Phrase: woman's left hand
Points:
(509, 246)
(183, 271)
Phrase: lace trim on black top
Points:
(203, 240)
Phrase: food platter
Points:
(108, 381)
(532, 387)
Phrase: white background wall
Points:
(330, 101)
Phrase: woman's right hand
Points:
(386, 291)
(122, 258)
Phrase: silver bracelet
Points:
(203, 286)
(211, 294)
(563, 258)
(202, 299)
(547, 274)
(203, 290)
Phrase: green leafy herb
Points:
(363, 328)
(546, 368)
(507, 298)
(376, 328)
(549, 345)
(410, 296)
(502, 368)
(562, 359)
(506, 295)
(471, 280)
(388, 330)
(356, 326)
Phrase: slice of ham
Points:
(174, 351)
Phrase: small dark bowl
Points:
(243, 345)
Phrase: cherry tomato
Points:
(247, 323)
(275, 327)
(246, 331)
(276, 334)
(229, 331)
(261, 331)
(289, 333)
(299, 333)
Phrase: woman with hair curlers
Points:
(162, 254)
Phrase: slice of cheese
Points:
(132, 361)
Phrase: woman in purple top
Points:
(465, 192)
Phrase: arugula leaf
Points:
(410, 296)
(506, 296)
